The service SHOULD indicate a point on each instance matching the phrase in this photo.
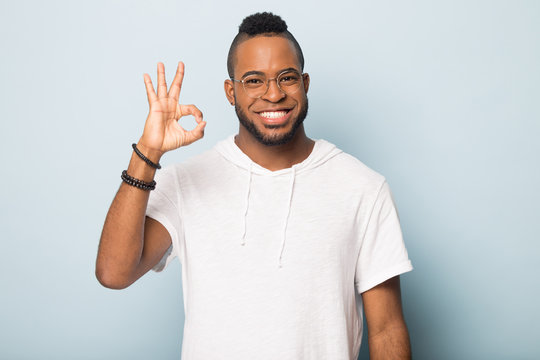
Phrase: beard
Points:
(275, 139)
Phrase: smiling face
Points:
(273, 118)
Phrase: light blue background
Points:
(441, 97)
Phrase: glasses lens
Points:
(289, 81)
(255, 85)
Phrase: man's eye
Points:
(253, 81)
(288, 78)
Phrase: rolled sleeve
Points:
(163, 206)
(382, 252)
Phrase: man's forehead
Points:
(266, 52)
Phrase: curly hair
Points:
(261, 24)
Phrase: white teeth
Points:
(273, 114)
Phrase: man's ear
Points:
(229, 91)
(306, 82)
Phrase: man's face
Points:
(273, 118)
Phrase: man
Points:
(277, 233)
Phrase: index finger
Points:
(174, 91)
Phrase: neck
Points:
(275, 157)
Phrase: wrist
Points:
(153, 154)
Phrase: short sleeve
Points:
(164, 207)
(382, 252)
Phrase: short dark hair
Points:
(261, 24)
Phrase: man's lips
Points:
(274, 116)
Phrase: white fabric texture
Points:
(273, 261)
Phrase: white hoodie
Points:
(273, 261)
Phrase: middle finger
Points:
(162, 85)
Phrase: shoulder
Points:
(200, 162)
(351, 171)
(193, 169)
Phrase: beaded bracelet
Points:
(146, 160)
(137, 182)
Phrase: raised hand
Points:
(162, 132)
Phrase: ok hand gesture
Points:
(162, 132)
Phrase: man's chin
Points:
(276, 139)
(270, 135)
(275, 126)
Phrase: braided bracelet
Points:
(137, 182)
(146, 160)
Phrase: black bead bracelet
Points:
(146, 160)
(130, 180)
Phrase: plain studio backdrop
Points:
(441, 97)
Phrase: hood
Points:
(321, 153)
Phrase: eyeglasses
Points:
(256, 85)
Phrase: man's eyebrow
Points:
(289, 69)
(255, 72)
(252, 72)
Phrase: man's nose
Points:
(273, 93)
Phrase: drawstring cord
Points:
(247, 204)
(293, 176)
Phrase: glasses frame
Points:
(268, 83)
